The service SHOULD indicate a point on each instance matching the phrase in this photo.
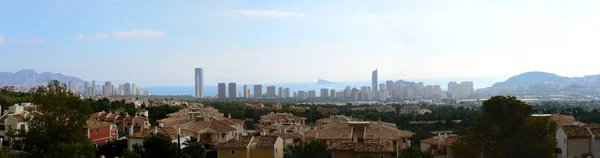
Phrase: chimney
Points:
(155, 130)
(130, 130)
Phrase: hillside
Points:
(537, 77)
(30, 77)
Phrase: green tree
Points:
(193, 149)
(58, 127)
(159, 145)
(505, 128)
(413, 152)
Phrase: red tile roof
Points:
(576, 132)
(242, 142)
(435, 141)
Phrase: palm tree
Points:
(193, 148)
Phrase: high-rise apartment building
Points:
(286, 92)
(324, 93)
(107, 89)
(280, 92)
(332, 93)
(302, 94)
(312, 94)
(374, 82)
(257, 91)
(127, 89)
(222, 91)
(389, 86)
(232, 90)
(134, 89)
(199, 83)
(246, 91)
(460, 90)
(270, 91)
(93, 88)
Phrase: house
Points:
(439, 145)
(14, 118)
(413, 110)
(106, 116)
(334, 119)
(382, 133)
(252, 147)
(133, 124)
(101, 132)
(207, 124)
(359, 150)
(281, 123)
(174, 133)
(578, 141)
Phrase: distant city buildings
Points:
(232, 90)
(270, 91)
(324, 93)
(246, 91)
(312, 94)
(222, 88)
(257, 91)
(374, 82)
(199, 83)
(460, 90)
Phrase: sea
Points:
(211, 90)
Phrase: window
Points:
(2, 127)
(232, 152)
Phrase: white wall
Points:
(561, 136)
(578, 147)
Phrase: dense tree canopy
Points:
(314, 149)
(58, 128)
(505, 128)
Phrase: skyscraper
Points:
(246, 91)
(127, 89)
(324, 93)
(232, 90)
(199, 83)
(389, 86)
(280, 92)
(257, 91)
(374, 83)
(312, 94)
(270, 91)
(86, 88)
(133, 89)
(107, 90)
(93, 90)
(222, 91)
(332, 93)
(286, 92)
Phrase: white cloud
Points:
(101, 36)
(2, 39)
(80, 37)
(138, 34)
(267, 13)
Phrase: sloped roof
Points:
(92, 123)
(210, 126)
(360, 147)
(280, 117)
(435, 141)
(242, 142)
(17, 117)
(576, 132)
(170, 131)
(377, 130)
(265, 141)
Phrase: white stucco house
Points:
(138, 138)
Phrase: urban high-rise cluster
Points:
(125, 89)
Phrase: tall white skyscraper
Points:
(93, 90)
(108, 89)
(199, 83)
(374, 83)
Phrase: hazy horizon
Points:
(152, 43)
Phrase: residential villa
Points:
(14, 118)
(359, 150)
(177, 136)
(360, 134)
(439, 145)
(135, 123)
(207, 124)
(334, 119)
(252, 147)
(281, 123)
(574, 138)
(101, 132)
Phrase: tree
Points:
(158, 145)
(58, 127)
(193, 149)
(413, 152)
(505, 128)
(314, 149)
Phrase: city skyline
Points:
(404, 39)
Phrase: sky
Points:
(159, 43)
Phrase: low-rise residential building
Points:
(334, 119)
(100, 132)
(360, 150)
(439, 145)
(207, 124)
(252, 147)
(413, 110)
(281, 123)
(177, 136)
(382, 133)
(14, 118)
(327, 110)
(133, 124)
(106, 116)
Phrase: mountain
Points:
(322, 81)
(537, 77)
(30, 77)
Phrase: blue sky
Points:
(158, 43)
